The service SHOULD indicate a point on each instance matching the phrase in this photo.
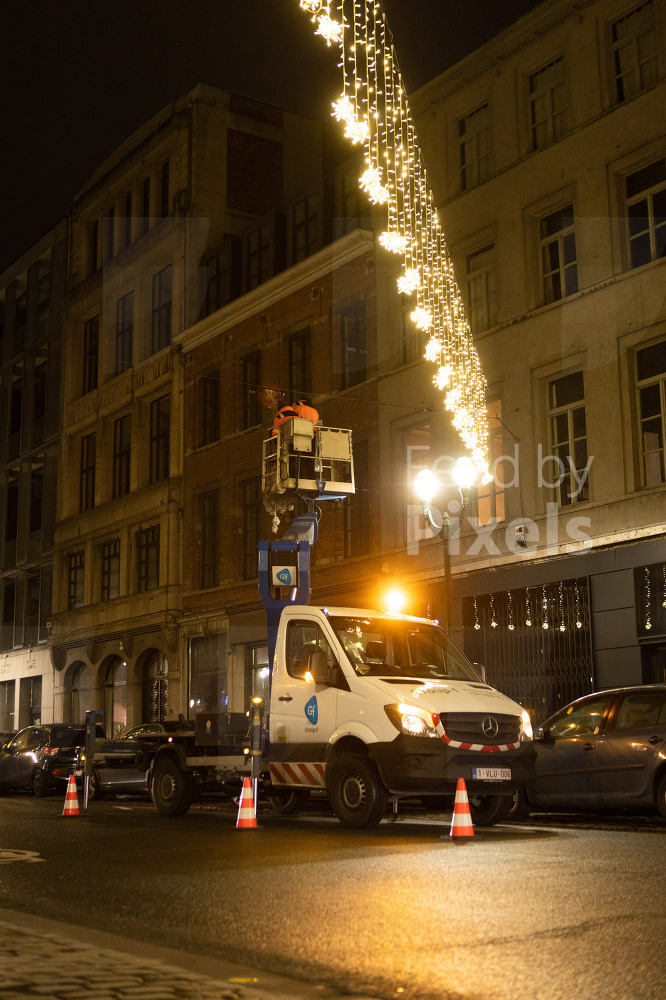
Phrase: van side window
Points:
(303, 638)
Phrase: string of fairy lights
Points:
(374, 111)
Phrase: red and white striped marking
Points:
(247, 813)
(461, 821)
(294, 773)
(486, 748)
(71, 807)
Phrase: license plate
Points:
(491, 773)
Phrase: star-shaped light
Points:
(329, 29)
(409, 281)
(394, 242)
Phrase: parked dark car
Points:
(604, 751)
(41, 758)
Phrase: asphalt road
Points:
(556, 912)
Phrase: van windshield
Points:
(401, 649)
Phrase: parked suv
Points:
(604, 751)
(41, 758)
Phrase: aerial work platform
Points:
(303, 459)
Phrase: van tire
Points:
(172, 790)
(289, 801)
(486, 810)
(95, 792)
(356, 793)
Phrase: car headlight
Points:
(411, 721)
(525, 727)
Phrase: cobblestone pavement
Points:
(50, 966)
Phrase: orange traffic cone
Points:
(71, 799)
(247, 814)
(461, 821)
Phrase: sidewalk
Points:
(52, 961)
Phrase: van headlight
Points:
(411, 721)
(525, 727)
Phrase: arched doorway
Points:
(75, 694)
(115, 698)
(155, 698)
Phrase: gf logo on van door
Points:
(311, 710)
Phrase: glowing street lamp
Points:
(426, 486)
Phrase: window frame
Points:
(554, 118)
(148, 558)
(637, 68)
(124, 341)
(162, 309)
(88, 461)
(561, 239)
(658, 380)
(353, 329)
(90, 354)
(76, 567)
(122, 455)
(568, 409)
(160, 438)
(109, 555)
(485, 304)
(475, 170)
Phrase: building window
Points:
(110, 554)
(251, 382)
(557, 255)
(90, 354)
(7, 698)
(148, 549)
(547, 104)
(482, 289)
(36, 496)
(32, 608)
(209, 507)
(251, 490)
(44, 299)
(87, 472)
(474, 146)
(568, 434)
(124, 332)
(75, 580)
(218, 277)
(305, 234)
(300, 364)
(413, 339)
(164, 200)
(110, 233)
(16, 404)
(353, 345)
(258, 256)
(160, 438)
(209, 407)
(161, 316)
(39, 395)
(8, 612)
(646, 213)
(128, 218)
(12, 506)
(122, 446)
(145, 205)
(30, 702)
(651, 384)
(115, 699)
(490, 506)
(357, 507)
(635, 60)
(353, 206)
(208, 674)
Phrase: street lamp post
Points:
(426, 485)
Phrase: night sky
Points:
(78, 76)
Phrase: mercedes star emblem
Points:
(490, 726)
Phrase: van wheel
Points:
(357, 795)
(289, 801)
(661, 796)
(172, 790)
(486, 810)
(519, 809)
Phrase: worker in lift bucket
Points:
(300, 466)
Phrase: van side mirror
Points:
(481, 670)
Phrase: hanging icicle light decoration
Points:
(648, 609)
(560, 603)
(544, 606)
(579, 623)
(511, 626)
(528, 608)
(493, 620)
(375, 113)
(663, 569)
(476, 616)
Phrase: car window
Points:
(581, 720)
(36, 738)
(20, 741)
(642, 710)
(67, 736)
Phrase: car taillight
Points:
(51, 751)
(56, 771)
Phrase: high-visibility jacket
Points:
(308, 412)
(283, 414)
